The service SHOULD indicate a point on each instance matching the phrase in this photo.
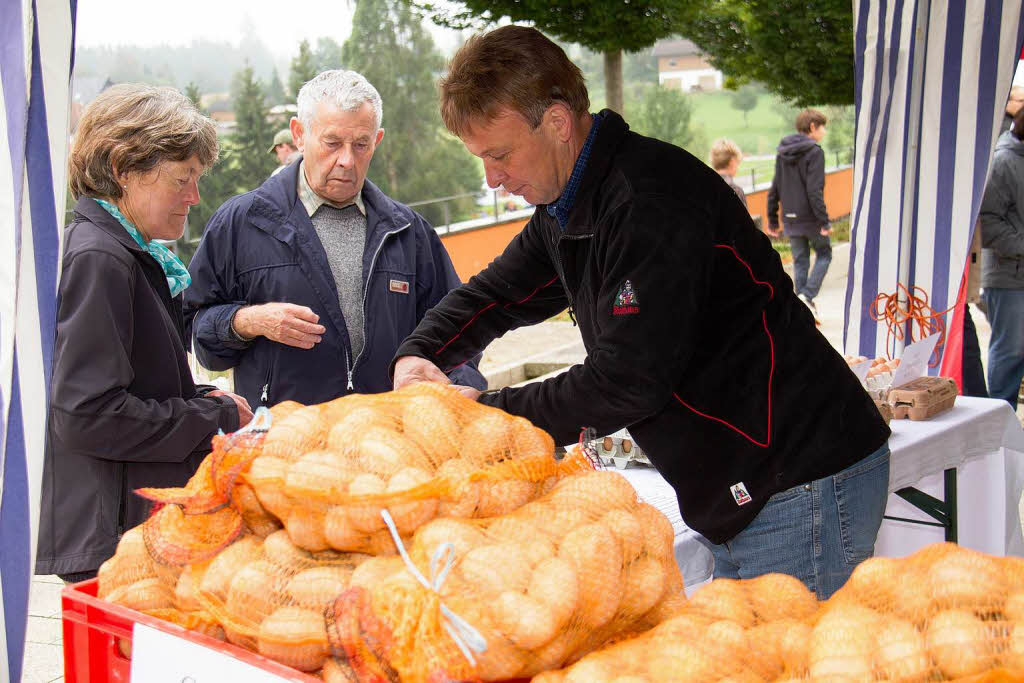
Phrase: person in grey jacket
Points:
(124, 412)
(799, 183)
(1002, 263)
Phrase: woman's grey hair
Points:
(132, 128)
(345, 89)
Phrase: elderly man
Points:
(695, 338)
(306, 285)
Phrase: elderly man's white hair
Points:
(347, 90)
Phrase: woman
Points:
(1002, 263)
(124, 412)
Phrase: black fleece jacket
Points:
(799, 183)
(694, 337)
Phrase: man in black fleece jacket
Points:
(800, 183)
(695, 339)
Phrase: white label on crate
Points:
(914, 362)
(159, 657)
(861, 371)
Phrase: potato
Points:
(321, 475)
(526, 622)
(257, 518)
(279, 549)
(267, 475)
(554, 584)
(339, 532)
(959, 643)
(726, 641)
(777, 596)
(343, 437)
(486, 439)
(659, 536)
(504, 496)
(724, 599)
(494, 569)
(186, 591)
(901, 652)
(596, 554)
(1014, 656)
(295, 637)
(644, 586)
(253, 594)
(591, 670)
(366, 518)
(385, 451)
(301, 431)
(464, 536)
(843, 643)
(627, 529)
(409, 516)
(598, 491)
(145, 594)
(530, 442)
(464, 494)
(433, 426)
(222, 568)
(318, 587)
(374, 571)
(967, 580)
(305, 527)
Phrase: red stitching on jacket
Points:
(484, 310)
(771, 369)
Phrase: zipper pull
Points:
(350, 387)
(263, 397)
(572, 317)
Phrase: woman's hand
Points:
(244, 411)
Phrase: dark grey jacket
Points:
(1002, 217)
(799, 183)
(124, 412)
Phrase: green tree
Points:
(275, 89)
(666, 114)
(801, 50)
(327, 54)
(606, 26)
(417, 159)
(253, 131)
(192, 92)
(302, 69)
(745, 100)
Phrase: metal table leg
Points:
(944, 511)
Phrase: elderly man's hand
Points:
(412, 369)
(284, 323)
(244, 411)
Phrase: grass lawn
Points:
(713, 111)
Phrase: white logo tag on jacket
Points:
(400, 286)
(739, 493)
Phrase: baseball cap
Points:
(283, 137)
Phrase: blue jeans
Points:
(801, 248)
(818, 532)
(1006, 345)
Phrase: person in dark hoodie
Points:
(799, 183)
(695, 339)
(1002, 263)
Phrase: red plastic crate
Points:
(92, 628)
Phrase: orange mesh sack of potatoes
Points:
(943, 613)
(751, 630)
(425, 451)
(514, 595)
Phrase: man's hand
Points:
(826, 231)
(284, 323)
(244, 411)
(774, 232)
(412, 369)
(468, 392)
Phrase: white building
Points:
(681, 65)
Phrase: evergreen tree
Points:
(192, 92)
(303, 69)
(275, 90)
(253, 131)
(328, 54)
(417, 159)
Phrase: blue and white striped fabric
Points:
(36, 39)
(932, 78)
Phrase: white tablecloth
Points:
(980, 437)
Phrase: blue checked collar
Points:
(560, 207)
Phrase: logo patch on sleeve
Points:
(739, 493)
(399, 286)
(626, 302)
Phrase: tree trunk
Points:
(613, 80)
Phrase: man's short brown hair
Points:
(133, 128)
(512, 67)
(807, 117)
(723, 151)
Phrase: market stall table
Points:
(972, 455)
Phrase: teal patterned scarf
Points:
(177, 275)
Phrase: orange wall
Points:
(473, 249)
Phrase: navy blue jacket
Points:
(261, 247)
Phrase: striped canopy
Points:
(36, 38)
(932, 79)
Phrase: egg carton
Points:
(620, 451)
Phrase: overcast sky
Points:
(281, 24)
